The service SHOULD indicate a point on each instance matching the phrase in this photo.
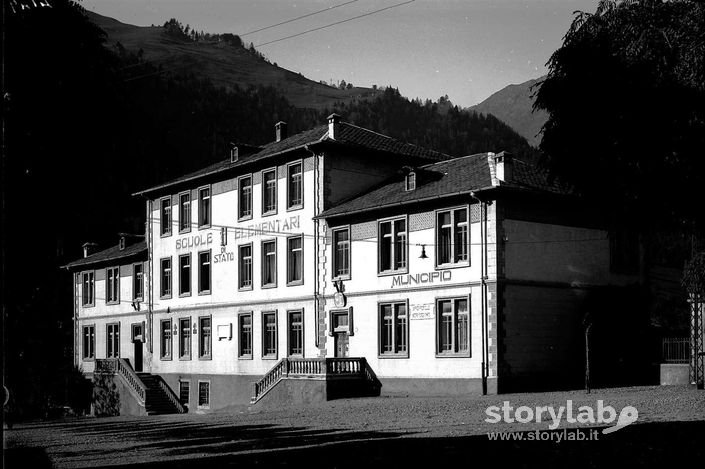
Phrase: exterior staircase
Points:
(328, 378)
(151, 394)
(160, 399)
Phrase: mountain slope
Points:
(512, 105)
(223, 64)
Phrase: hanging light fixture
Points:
(423, 252)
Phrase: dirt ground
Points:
(389, 431)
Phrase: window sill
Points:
(184, 295)
(245, 288)
(389, 273)
(206, 357)
(269, 357)
(295, 283)
(165, 297)
(393, 355)
(185, 230)
(166, 358)
(185, 359)
(112, 303)
(268, 286)
(139, 298)
(203, 407)
(204, 293)
(270, 213)
(341, 277)
(244, 218)
(453, 355)
(165, 235)
(456, 265)
(88, 305)
(245, 357)
(203, 227)
(294, 208)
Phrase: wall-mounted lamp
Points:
(423, 252)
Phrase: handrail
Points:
(170, 394)
(323, 367)
(129, 375)
(120, 367)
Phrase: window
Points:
(185, 212)
(113, 340)
(165, 285)
(88, 288)
(165, 340)
(185, 274)
(184, 392)
(452, 236)
(341, 255)
(411, 181)
(185, 338)
(245, 335)
(166, 216)
(204, 394)
(245, 267)
(294, 185)
(296, 333)
(393, 329)
(88, 342)
(392, 245)
(204, 339)
(245, 202)
(204, 272)
(204, 207)
(295, 259)
(453, 326)
(138, 281)
(112, 284)
(269, 192)
(269, 334)
(269, 263)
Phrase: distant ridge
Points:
(224, 64)
(513, 105)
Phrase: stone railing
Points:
(123, 369)
(317, 368)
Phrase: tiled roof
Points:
(109, 255)
(444, 179)
(441, 179)
(350, 135)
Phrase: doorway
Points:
(137, 342)
(340, 325)
(341, 344)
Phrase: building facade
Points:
(341, 242)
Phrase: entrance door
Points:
(137, 335)
(341, 344)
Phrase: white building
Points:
(284, 260)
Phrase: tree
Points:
(625, 95)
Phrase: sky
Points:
(466, 49)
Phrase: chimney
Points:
(280, 128)
(504, 166)
(334, 126)
(88, 249)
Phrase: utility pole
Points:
(587, 323)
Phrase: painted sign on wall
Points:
(421, 311)
(201, 239)
(279, 225)
(422, 278)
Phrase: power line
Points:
(298, 18)
(285, 234)
(336, 23)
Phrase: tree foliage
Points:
(625, 95)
